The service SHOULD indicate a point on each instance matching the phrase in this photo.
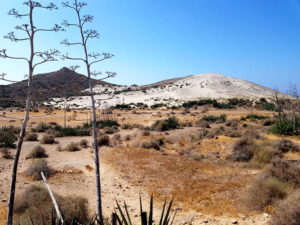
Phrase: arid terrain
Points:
(208, 187)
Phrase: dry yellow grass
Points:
(2, 214)
(202, 186)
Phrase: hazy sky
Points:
(255, 40)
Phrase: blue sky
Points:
(255, 40)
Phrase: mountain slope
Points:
(63, 82)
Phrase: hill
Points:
(176, 91)
(61, 83)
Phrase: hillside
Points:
(176, 91)
(63, 82)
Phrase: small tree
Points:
(35, 59)
(89, 60)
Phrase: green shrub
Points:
(7, 139)
(31, 137)
(59, 131)
(254, 117)
(221, 118)
(37, 152)
(286, 127)
(36, 167)
(168, 124)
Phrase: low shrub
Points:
(214, 119)
(47, 139)
(265, 192)
(254, 117)
(145, 133)
(41, 127)
(72, 147)
(37, 152)
(7, 139)
(31, 137)
(103, 140)
(38, 166)
(286, 128)
(287, 211)
(6, 154)
(110, 130)
(83, 143)
(252, 134)
(36, 202)
(107, 123)
(285, 145)
(58, 131)
(233, 133)
(155, 144)
(168, 124)
(204, 124)
(242, 150)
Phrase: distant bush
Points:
(107, 123)
(191, 104)
(203, 124)
(254, 117)
(36, 202)
(153, 144)
(110, 130)
(72, 147)
(168, 124)
(37, 152)
(47, 139)
(103, 140)
(41, 127)
(31, 137)
(145, 133)
(223, 105)
(242, 150)
(59, 131)
(36, 167)
(221, 118)
(83, 143)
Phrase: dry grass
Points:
(3, 213)
(198, 185)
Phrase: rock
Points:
(235, 222)
(266, 215)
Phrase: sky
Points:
(254, 40)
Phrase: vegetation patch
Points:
(37, 152)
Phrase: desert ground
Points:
(207, 187)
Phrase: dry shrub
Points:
(233, 133)
(84, 143)
(6, 154)
(285, 145)
(127, 137)
(103, 140)
(156, 144)
(287, 211)
(72, 147)
(47, 139)
(263, 154)
(31, 137)
(41, 127)
(286, 170)
(242, 150)
(37, 152)
(35, 202)
(110, 130)
(117, 137)
(232, 123)
(265, 192)
(213, 133)
(252, 134)
(36, 167)
(145, 133)
(204, 124)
